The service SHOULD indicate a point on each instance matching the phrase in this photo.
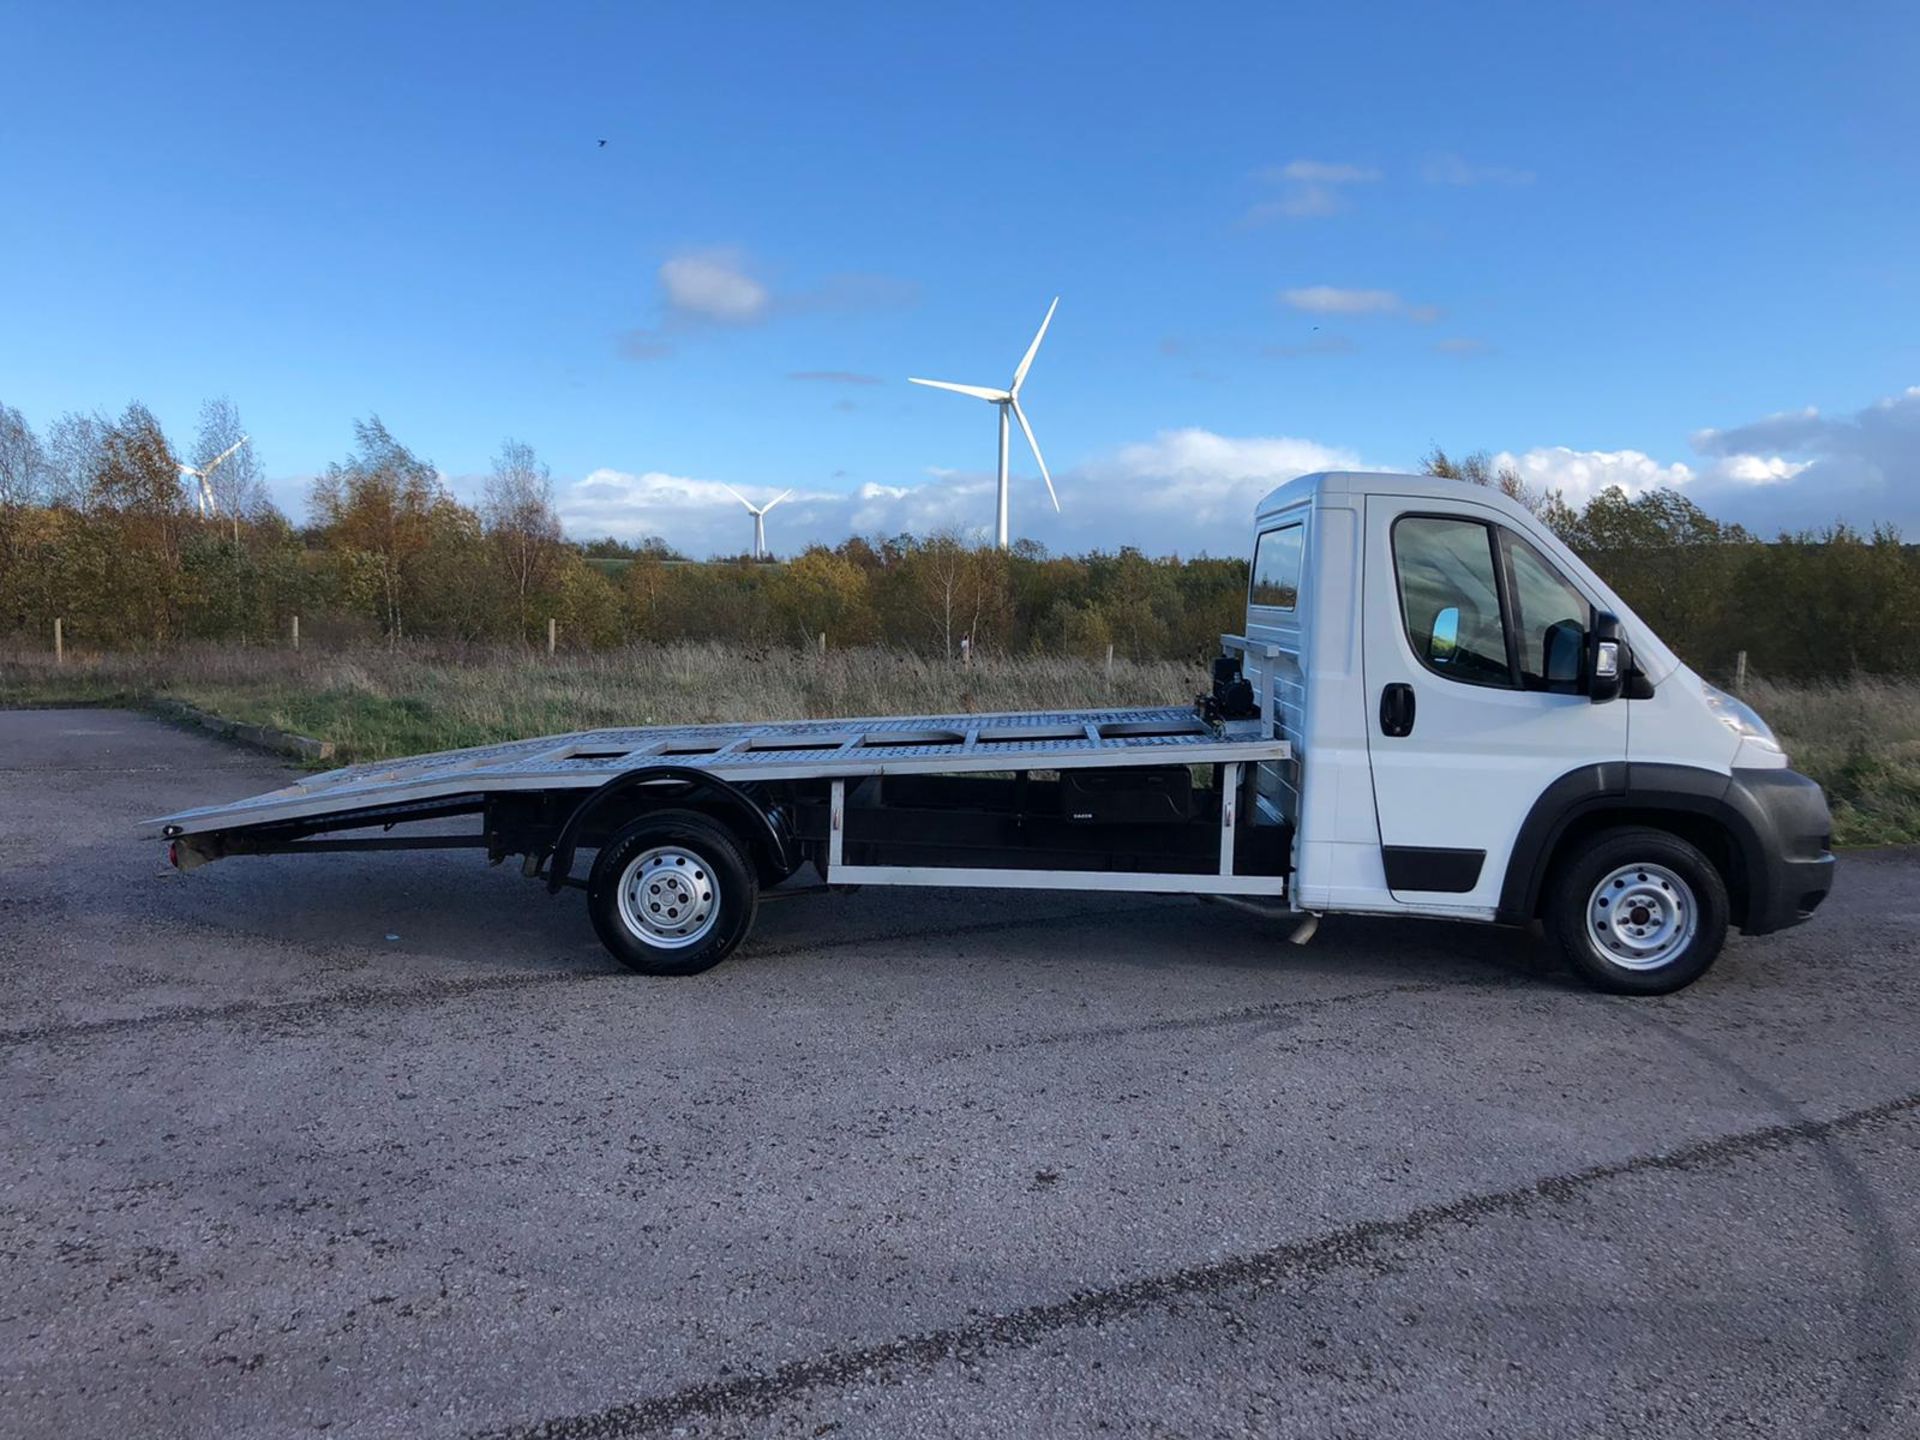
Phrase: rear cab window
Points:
(1275, 580)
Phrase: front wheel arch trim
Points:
(1636, 794)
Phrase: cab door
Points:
(1472, 656)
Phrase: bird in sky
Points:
(603, 144)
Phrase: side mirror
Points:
(1445, 638)
(1608, 660)
(1563, 656)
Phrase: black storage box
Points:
(1141, 795)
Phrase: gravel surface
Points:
(384, 1145)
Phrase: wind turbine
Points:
(204, 474)
(759, 514)
(1008, 400)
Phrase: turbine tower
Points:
(204, 474)
(759, 514)
(1008, 400)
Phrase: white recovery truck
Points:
(1436, 709)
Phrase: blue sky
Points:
(1579, 235)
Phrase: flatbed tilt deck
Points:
(1151, 800)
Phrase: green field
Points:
(1861, 738)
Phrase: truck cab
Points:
(1481, 729)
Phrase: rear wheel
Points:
(672, 893)
(1638, 911)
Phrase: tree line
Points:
(97, 527)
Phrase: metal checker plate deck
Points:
(784, 750)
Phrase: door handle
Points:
(1396, 710)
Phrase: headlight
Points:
(1741, 718)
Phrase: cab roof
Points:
(1376, 482)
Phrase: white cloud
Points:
(1332, 300)
(1452, 170)
(1184, 490)
(1311, 190)
(711, 289)
(1801, 468)
(835, 377)
(1758, 469)
(1321, 172)
(1582, 474)
(1794, 470)
(1189, 489)
(1303, 202)
(713, 285)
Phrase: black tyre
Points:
(672, 894)
(1638, 911)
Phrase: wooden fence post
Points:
(1739, 672)
(59, 642)
(1109, 664)
(553, 634)
(296, 632)
(823, 642)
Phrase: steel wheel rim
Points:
(1641, 916)
(669, 897)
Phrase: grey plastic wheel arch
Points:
(731, 796)
(1642, 792)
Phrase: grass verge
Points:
(375, 704)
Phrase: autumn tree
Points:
(1478, 468)
(521, 524)
(136, 518)
(72, 450)
(23, 474)
(375, 511)
(821, 593)
(239, 493)
(957, 591)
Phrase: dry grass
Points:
(1860, 739)
(374, 703)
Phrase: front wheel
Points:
(672, 893)
(1638, 912)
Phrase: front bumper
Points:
(1791, 863)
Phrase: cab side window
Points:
(1450, 598)
(1551, 619)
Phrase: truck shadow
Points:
(451, 911)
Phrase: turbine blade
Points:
(979, 392)
(1027, 429)
(186, 469)
(738, 496)
(775, 501)
(1026, 360)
